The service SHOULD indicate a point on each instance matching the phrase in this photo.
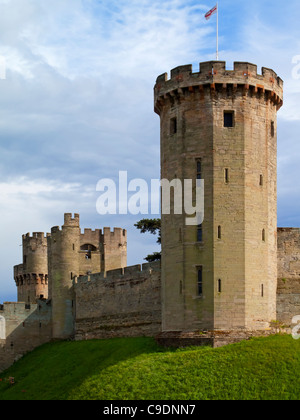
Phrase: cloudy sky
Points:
(76, 105)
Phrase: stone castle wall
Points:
(288, 288)
(119, 303)
(23, 327)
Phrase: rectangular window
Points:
(173, 126)
(199, 233)
(219, 286)
(180, 287)
(226, 175)
(199, 168)
(262, 290)
(272, 129)
(200, 281)
(228, 119)
(219, 232)
(261, 180)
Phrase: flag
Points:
(211, 12)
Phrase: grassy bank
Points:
(137, 369)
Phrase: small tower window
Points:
(263, 235)
(180, 287)
(272, 129)
(173, 126)
(261, 180)
(199, 233)
(199, 168)
(200, 281)
(219, 286)
(262, 290)
(226, 175)
(219, 232)
(228, 119)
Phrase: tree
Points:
(152, 226)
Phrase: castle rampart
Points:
(22, 328)
(288, 288)
(119, 303)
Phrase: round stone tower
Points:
(32, 276)
(220, 126)
(63, 248)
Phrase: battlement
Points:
(37, 239)
(90, 236)
(213, 74)
(35, 235)
(20, 307)
(70, 221)
(123, 274)
(117, 233)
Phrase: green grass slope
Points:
(137, 369)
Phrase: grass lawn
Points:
(138, 369)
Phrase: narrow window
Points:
(180, 287)
(199, 233)
(200, 281)
(71, 276)
(261, 180)
(272, 129)
(228, 119)
(263, 235)
(73, 247)
(262, 290)
(219, 286)
(173, 126)
(226, 175)
(219, 232)
(199, 168)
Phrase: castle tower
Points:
(220, 126)
(63, 263)
(114, 248)
(31, 277)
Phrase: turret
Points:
(31, 277)
(220, 126)
(63, 262)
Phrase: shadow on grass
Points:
(53, 370)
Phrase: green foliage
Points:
(137, 369)
(152, 226)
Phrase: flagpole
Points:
(217, 31)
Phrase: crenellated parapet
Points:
(122, 274)
(215, 78)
